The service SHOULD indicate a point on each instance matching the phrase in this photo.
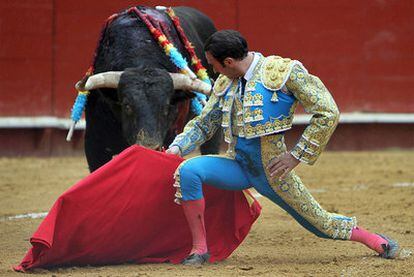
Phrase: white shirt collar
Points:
(249, 72)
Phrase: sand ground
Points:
(376, 187)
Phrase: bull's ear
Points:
(180, 95)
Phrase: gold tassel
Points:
(274, 97)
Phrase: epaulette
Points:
(221, 85)
(276, 71)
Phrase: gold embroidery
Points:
(275, 71)
(250, 86)
(252, 100)
(221, 103)
(226, 120)
(227, 104)
(248, 98)
(297, 196)
(237, 114)
(258, 115)
(270, 66)
(268, 127)
(273, 76)
(177, 184)
(227, 135)
(227, 112)
(260, 130)
(249, 131)
(253, 115)
(276, 126)
(274, 97)
(221, 85)
(258, 100)
(248, 115)
(317, 100)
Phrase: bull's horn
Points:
(108, 79)
(184, 82)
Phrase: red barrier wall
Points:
(362, 50)
(26, 63)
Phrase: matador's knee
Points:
(188, 181)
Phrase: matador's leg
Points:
(215, 170)
(290, 194)
(218, 171)
(295, 198)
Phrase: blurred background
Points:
(361, 50)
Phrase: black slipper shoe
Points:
(196, 259)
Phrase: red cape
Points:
(124, 212)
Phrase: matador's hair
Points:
(226, 44)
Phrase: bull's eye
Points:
(128, 109)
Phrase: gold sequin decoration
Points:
(317, 100)
(221, 85)
(274, 97)
(274, 72)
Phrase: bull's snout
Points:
(144, 139)
(154, 147)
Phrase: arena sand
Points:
(376, 187)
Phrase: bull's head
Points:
(148, 99)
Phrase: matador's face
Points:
(229, 69)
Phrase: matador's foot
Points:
(391, 249)
(196, 259)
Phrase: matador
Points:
(254, 100)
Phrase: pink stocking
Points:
(194, 212)
(371, 240)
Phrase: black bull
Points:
(144, 107)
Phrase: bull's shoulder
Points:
(276, 71)
(221, 85)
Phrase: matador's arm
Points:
(200, 128)
(316, 99)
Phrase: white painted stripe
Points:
(403, 185)
(63, 123)
(28, 215)
(39, 122)
(363, 118)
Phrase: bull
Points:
(138, 102)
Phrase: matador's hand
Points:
(175, 150)
(282, 165)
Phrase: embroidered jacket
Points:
(267, 108)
